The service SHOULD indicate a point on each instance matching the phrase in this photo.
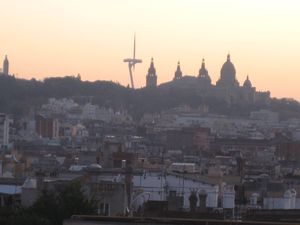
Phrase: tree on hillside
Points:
(57, 206)
(12, 216)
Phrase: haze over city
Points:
(58, 38)
(149, 112)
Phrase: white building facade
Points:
(4, 130)
(156, 186)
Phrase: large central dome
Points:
(228, 74)
(228, 70)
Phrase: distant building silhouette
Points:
(151, 78)
(5, 66)
(178, 73)
(227, 87)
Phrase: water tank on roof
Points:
(123, 163)
(293, 199)
(287, 198)
(253, 199)
(212, 197)
(95, 166)
(30, 183)
(228, 197)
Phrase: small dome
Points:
(247, 83)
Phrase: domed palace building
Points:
(227, 87)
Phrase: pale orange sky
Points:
(45, 38)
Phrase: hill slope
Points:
(18, 96)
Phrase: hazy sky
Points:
(45, 38)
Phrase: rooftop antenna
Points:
(131, 63)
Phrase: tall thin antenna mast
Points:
(131, 63)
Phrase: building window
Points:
(106, 188)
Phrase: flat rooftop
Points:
(106, 220)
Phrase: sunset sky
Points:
(45, 38)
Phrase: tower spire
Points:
(228, 57)
(131, 63)
(203, 71)
(203, 74)
(151, 78)
(5, 66)
(178, 73)
(151, 69)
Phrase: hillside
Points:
(18, 96)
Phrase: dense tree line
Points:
(51, 208)
(19, 96)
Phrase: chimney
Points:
(193, 201)
(39, 180)
(202, 201)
